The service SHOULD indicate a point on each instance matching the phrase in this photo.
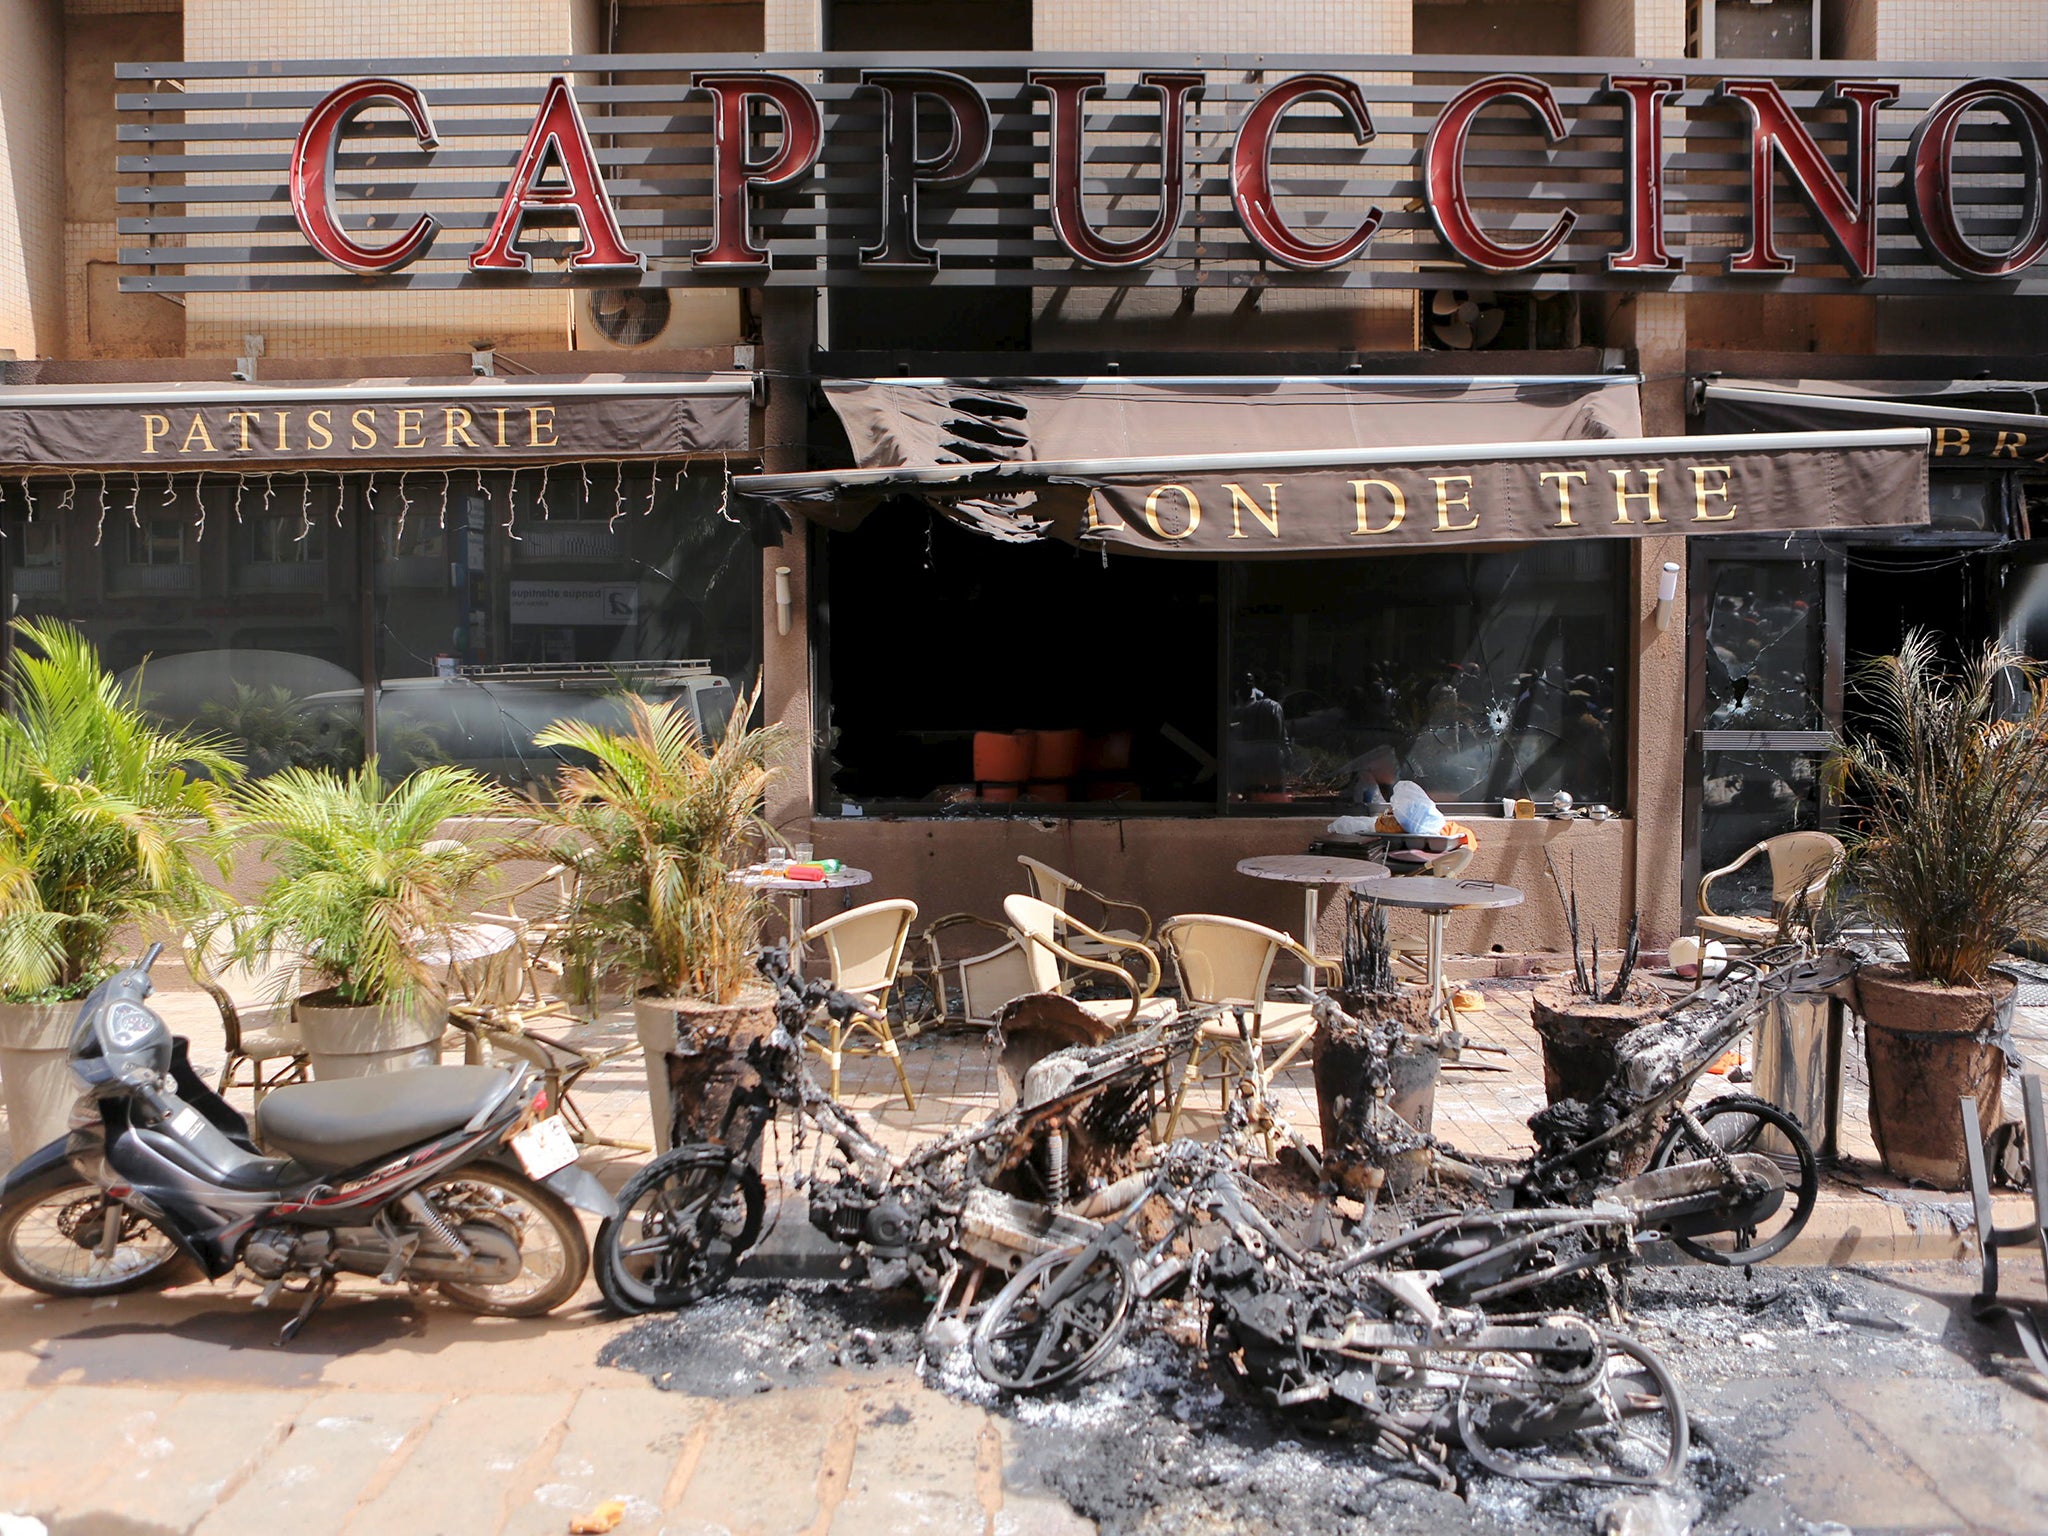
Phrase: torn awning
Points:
(470, 423)
(1442, 496)
(907, 422)
(1972, 423)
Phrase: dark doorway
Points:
(933, 633)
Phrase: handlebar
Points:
(149, 956)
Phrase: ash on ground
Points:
(1155, 1446)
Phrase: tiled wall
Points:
(31, 178)
(1641, 29)
(1961, 29)
(329, 324)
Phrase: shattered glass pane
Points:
(1747, 797)
(1764, 647)
(1477, 675)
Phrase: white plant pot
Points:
(35, 1072)
(361, 1042)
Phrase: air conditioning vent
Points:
(1476, 319)
(629, 317)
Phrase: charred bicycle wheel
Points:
(1609, 1415)
(1056, 1320)
(683, 1222)
(1736, 1124)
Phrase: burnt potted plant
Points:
(1949, 852)
(1376, 1062)
(654, 824)
(370, 881)
(1582, 1018)
(104, 821)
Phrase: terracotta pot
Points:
(999, 794)
(1002, 757)
(1580, 1038)
(344, 1040)
(1046, 790)
(1058, 755)
(35, 1072)
(1107, 753)
(696, 1059)
(1342, 1055)
(1928, 1047)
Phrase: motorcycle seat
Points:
(338, 1124)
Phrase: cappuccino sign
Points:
(1005, 170)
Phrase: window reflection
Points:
(229, 604)
(1763, 652)
(1479, 676)
(526, 599)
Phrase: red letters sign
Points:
(768, 132)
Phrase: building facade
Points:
(329, 502)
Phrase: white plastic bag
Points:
(1416, 812)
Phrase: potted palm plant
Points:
(99, 807)
(1950, 853)
(655, 822)
(370, 882)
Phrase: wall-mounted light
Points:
(785, 605)
(1667, 593)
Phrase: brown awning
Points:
(1443, 496)
(1972, 423)
(934, 422)
(371, 423)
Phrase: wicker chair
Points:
(864, 949)
(1048, 937)
(1225, 965)
(255, 999)
(1803, 865)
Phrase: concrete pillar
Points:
(32, 178)
(1654, 324)
(789, 321)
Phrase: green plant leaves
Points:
(1948, 786)
(105, 817)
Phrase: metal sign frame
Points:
(1461, 158)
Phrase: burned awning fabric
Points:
(1971, 423)
(894, 423)
(184, 428)
(1442, 496)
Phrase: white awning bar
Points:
(770, 486)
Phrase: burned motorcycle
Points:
(445, 1176)
(987, 1196)
(1334, 1332)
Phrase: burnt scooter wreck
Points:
(983, 1199)
(442, 1176)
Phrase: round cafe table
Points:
(1311, 871)
(796, 891)
(1439, 898)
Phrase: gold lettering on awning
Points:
(1946, 438)
(1394, 496)
(1152, 510)
(1563, 477)
(1623, 495)
(1445, 501)
(1240, 503)
(1701, 491)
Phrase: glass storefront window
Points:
(521, 601)
(1764, 643)
(1478, 675)
(236, 605)
(180, 588)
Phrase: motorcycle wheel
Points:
(679, 1232)
(553, 1255)
(50, 1236)
(1742, 1120)
(1633, 1434)
(1027, 1343)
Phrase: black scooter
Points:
(448, 1176)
